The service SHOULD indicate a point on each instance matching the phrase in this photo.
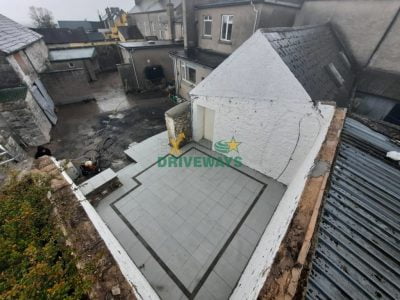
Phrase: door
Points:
(209, 115)
(45, 102)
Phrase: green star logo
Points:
(227, 146)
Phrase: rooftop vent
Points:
(336, 76)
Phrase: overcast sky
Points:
(18, 10)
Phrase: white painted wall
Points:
(259, 266)
(258, 100)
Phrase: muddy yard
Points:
(107, 125)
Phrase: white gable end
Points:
(254, 70)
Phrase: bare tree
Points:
(41, 17)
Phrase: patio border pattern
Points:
(185, 291)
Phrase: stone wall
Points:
(67, 86)
(24, 116)
(178, 120)
(11, 145)
(8, 77)
(89, 248)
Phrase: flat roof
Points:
(149, 44)
(203, 57)
(71, 54)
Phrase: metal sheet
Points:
(357, 254)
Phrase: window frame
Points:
(207, 19)
(185, 72)
(228, 22)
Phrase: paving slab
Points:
(191, 230)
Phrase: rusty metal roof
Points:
(357, 255)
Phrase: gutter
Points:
(273, 2)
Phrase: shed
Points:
(138, 57)
(75, 58)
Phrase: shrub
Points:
(35, 263)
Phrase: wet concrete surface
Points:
(107, 125)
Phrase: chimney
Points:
(171, 20)
(189, 25)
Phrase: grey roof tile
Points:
(14, 36)
(308, 51)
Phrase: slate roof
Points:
(86, 25)
(146, 6)
(380, 84)
(62, 35)
(95, 36)
(308, 51)
(14, 37)
(130, 32)
(71, 54)
(358, 250)
(203, 57)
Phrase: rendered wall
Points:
(265, 108)
(184, 87)
(244, 18)
(153, 56)
(275, 137)
(361, 24)
(67, 86)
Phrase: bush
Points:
(34, 261)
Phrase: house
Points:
(160, 18)
(375, 57)
(129, 33)
(147, 64)
(26, 107)
(85, 58)
(285, 76)
(219, 29)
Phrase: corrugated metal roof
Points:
(71, 54)
(357, 255)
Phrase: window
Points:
(207, 25)
(226, 27)
(188, 73)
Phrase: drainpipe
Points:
(134, 68)
(256, 12)
(171, 24)
(189, 26)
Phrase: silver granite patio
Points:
(191, 230)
